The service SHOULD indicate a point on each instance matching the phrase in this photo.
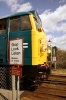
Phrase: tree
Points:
(54, 48)
(61, 58)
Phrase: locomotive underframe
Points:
(33, 74)
(30, 76)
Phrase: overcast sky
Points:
(51, 12)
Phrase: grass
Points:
(58, 71)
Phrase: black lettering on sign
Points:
(12, 49)
(14, 44)
(15, 53)
(16, 60)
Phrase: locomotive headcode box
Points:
(16, 52)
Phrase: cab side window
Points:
(0, 26)
(38, 26)
(3, 26)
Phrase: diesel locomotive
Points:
(26, 25)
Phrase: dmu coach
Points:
(26, 25)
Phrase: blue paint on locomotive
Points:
(26, 35)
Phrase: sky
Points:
(51, 12)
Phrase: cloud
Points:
(50, 20)
(50, 37)
(60, 42)
(24, 7)
(61, 1)
(16, 6)
(13, 4)
(10, 2)
(55, 22)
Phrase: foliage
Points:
(61, 58)
(53, 54)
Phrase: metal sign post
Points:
(16, 59)
(13, 88)
(54, 58)
(18, 88)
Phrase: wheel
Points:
(48, 71)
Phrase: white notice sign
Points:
(16, 52)
(54, 58)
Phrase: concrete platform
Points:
(8, 94)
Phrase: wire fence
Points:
(5, 78)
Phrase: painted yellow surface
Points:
(39, 45)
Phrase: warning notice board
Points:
(16, 71)
(54, 58)
(16, 52)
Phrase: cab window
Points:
(38, 26)
(3, 26)
(26, 25)
(14, 24)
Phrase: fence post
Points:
(13, 88)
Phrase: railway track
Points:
(57, 79)
(53, 89)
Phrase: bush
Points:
(61, 58)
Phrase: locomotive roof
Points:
(23, 13)
(19, 13)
